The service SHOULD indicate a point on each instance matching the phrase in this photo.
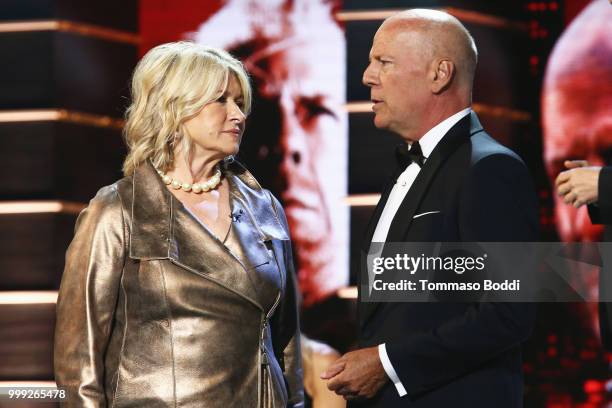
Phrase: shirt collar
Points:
(431, 139)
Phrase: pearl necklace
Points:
(197, 188)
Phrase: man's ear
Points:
(442, 73)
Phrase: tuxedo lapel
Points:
(367, 240)
(368, 308)
(457, 135)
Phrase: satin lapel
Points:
(366, 309)
(367, 239)
(457, 135)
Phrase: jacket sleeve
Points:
(286, 326)
(498, 204)
(601, 212)
(87, 300)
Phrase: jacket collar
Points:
(458, 134)
(162, 228)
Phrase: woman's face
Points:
(217, 129)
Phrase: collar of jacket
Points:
(154, 211)
(162, 228)
(460, 133)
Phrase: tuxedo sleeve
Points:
(601, 212)
(497, 204)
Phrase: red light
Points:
(592, 386)
(534, 60)
(543, 33)
(542, 6)
(596, 399)
(532, 6)
(553, 6)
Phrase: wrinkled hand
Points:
(357, 374)
(578, 184)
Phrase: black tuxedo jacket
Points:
(602, 214)
(457, 354)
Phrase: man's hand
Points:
(357, 374)
(578, 184)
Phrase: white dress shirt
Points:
(428, 142)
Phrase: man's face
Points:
(397, 76)
(311, 125)
(311, 115)
(577, 126)
(576, 106)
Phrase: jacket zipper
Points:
(264, 354)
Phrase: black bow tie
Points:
(406, 156)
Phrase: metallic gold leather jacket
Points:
(154, 311)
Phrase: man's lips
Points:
(236, 132)
(376, 103)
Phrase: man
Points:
(297, 136)
(460, 186)
(583, 184)
(576, 119)
(576, 107)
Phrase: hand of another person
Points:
(357, 374)
(578, 184)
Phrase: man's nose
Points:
(294, 138)
(370, 76)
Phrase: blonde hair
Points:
(171, 84)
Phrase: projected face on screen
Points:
(577, 124)
(296, 137)
(577, 108)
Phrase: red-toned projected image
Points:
(577, 108)
(296, 137)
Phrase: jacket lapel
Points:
(255, 225)
(367, 240)
(402, 220)
(458, 134)
(366, 309)
(162, 228)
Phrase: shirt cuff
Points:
(384, 359)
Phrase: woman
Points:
(178, 286)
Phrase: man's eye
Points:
(309, 108)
